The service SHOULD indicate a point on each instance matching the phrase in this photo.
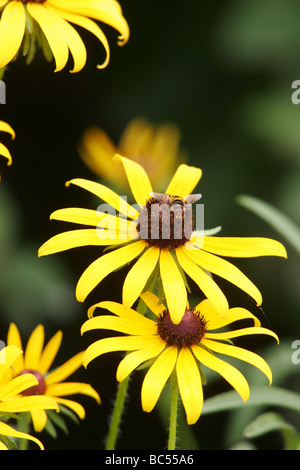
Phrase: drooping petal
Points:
(184, 181)
(12, 29)
(153, 303)
(204, 282)
(49, 353)
(117, 309)
(240, 353)
(174, 286)
(230, 373)
(6, 430)
(226, 270)
(243, 247)
(34, 348)
(105, 265)
(120, 343)
(109, 196)
(190, 385)
(93, 28)
(138, 180)
(215, 320)
(53, 32)
(138, 275)
(135, 359)
(157, 377)
(65, 370)
(39, 419)
(129, 326)
(5, 127)
(73, 405)
(4, 152)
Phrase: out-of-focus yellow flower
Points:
(46, 23)
(4, 127)
(37, 361)
(11, 398)
(195, 341)
(155, 147)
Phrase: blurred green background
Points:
(222, 71)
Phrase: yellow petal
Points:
(157, 377)
(242, 332)
(109, 196)
(153, 303)
(204, 281)
(174, 286)
(73, 405)
(5, 127)
(17, 385)
(190, 385)
(4, 152)
(93, 28)
(72, 388)
(241, 354)
(226, 270)
(39, 419)
(53, 32)
(137, 178)
(129, 326)
(14, 337)
(184, 181)
(117, 309)
(12, 29)
(138, 276)
(34, 402)
(136, 358)
(65, 370)
(34, 348)
(6, 430)
(120, 343)
(49, 353)
(8, 356)
(230, 373)
(105, 265)
(243, 247)
(215, 321)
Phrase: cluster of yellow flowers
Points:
(156, 233)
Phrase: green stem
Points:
(117, 415)
(173, 413)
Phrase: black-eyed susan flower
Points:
(184, 348)
(25, 24)
(37, 360)
(11, 398)
(4, 127)
(158, 232)
(155, 147)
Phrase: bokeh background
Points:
(222, 72)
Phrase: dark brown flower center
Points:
(189, 331)
(33, 1)
(165, 221)
(38, 389)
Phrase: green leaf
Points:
(267, 396)
(268, 422)
(279, 221)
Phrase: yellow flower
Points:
(181, 348)
(38, 361)
(11, 401)
(156, 148)
(47, 22)
(170, 248)
(4, 127)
